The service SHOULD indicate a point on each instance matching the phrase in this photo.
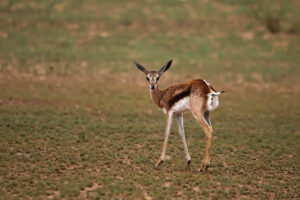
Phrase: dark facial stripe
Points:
(178, 97)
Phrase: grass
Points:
(76, 118)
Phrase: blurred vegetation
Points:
(277, 16)
(76, 118)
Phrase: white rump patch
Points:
(213, 100)
(181, 105)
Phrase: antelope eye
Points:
(157, 78)
(147, 78)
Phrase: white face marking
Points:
(152, 80)
(148, 78)
(182, 105)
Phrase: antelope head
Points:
(153, 76)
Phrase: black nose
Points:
(152, 87)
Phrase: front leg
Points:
(181, 132)
(169, 116)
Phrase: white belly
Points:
(182, 105)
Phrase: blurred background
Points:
(77, 120)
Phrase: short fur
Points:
(195, 95)
(168, 97)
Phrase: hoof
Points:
(159, 162)
(188, 165)
(204, 167)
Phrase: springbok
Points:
(195, 95)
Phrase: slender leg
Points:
(181, 132)
(203, 118)
(208, 132)
(167, 133)
(206, 161)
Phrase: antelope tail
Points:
(217, 93)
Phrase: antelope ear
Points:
(165, 67)
(140, 67)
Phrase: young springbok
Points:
(195, 95)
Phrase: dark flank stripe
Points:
(178, 97)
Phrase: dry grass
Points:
(76, 118)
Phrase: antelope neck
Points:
(156, 96)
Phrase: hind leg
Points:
(202, 116)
